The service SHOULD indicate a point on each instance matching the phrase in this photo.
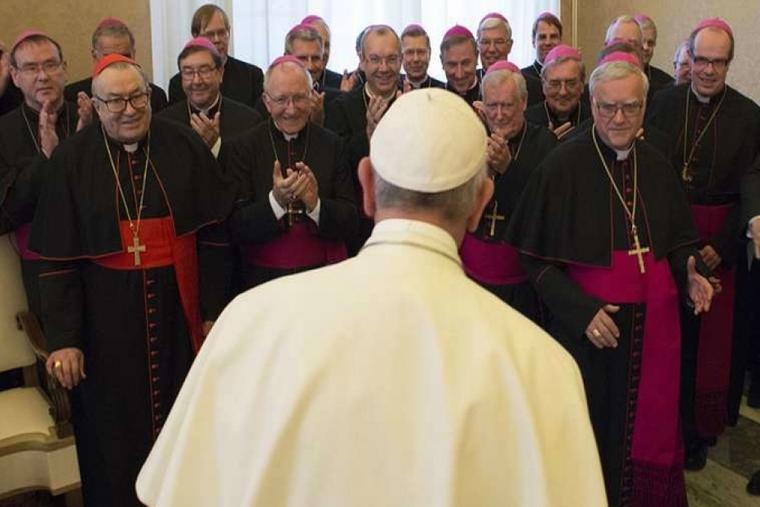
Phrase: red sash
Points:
(298, 247)
(22, 242)
(657, 449)
(163, 248)
(715, 335)
(491, 263)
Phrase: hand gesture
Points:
(282, 185)
(563, 130)
(602, 330)
(307, 189)
(498, 153)
(754, 231)
(375, 111)
(67, 366)
(317, 108)
(348, 81)
(206, 127)
(84, 110)
(700, 289)
(48, 135)
(710, 257)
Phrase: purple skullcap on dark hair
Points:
(458, 31)
(413, 26)
(109, 60)
(109, 22)
(562, 51)
(203, 42)
(27, 34)
(718, 23)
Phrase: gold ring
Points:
(57, 364)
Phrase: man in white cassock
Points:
(390, 379)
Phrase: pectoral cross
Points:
(638, 250)
(136, 248)
(494, 216)
(685, 173)
(292, 211)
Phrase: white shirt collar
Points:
(415, 233)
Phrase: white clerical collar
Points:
(205, 110)
(415, 233)
(372, 95)
(704, 99)
(131, 147)
(417, 84)
(623, 154)
(288, 137)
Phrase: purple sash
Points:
(491, 263)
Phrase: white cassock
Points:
(390, 379)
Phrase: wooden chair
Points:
(36, 439)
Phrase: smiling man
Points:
(610, 280)
(715, 131)
(243, 81)
(546, 34)
(459, 58)
(355, 115)
(127, 277)
(210, 115)
(415, 50)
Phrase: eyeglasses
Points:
(629, 109)
(701, 62)
(119, 105)
(32, 69)
(216, 34)
(492, 42)
(389, 60)
(555, 85)
(494, 107)
(203, 72)
(284, 100)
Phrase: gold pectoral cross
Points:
(292, 211)
(638, 250)
(494, 216)
(136, 248)
(685, 176)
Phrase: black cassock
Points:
(234, 117)
(23, 167)
(532, 75)
(540, 114)
(718, 154)
(658, 78)
(243, 82)
(158, 99)
(528, 147)
(130, 322)
(253, 226)
(347, 117)
(569, 218)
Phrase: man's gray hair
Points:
(501, 76)
(451, 205)
(625, 18)
(612, 71)
(559, 61)
(306, 73)
(490, 23)
(304, 33)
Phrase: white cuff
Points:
(749, 225)
(278, 210)
(314, 214)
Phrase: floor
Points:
(730, 463)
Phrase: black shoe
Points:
(753, 396)
(753, 486)
(696, 458)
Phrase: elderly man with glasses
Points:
(131, 277)
(243, 81)
(210, 115)
(715, 131)
(295, 206)
(607, 240)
